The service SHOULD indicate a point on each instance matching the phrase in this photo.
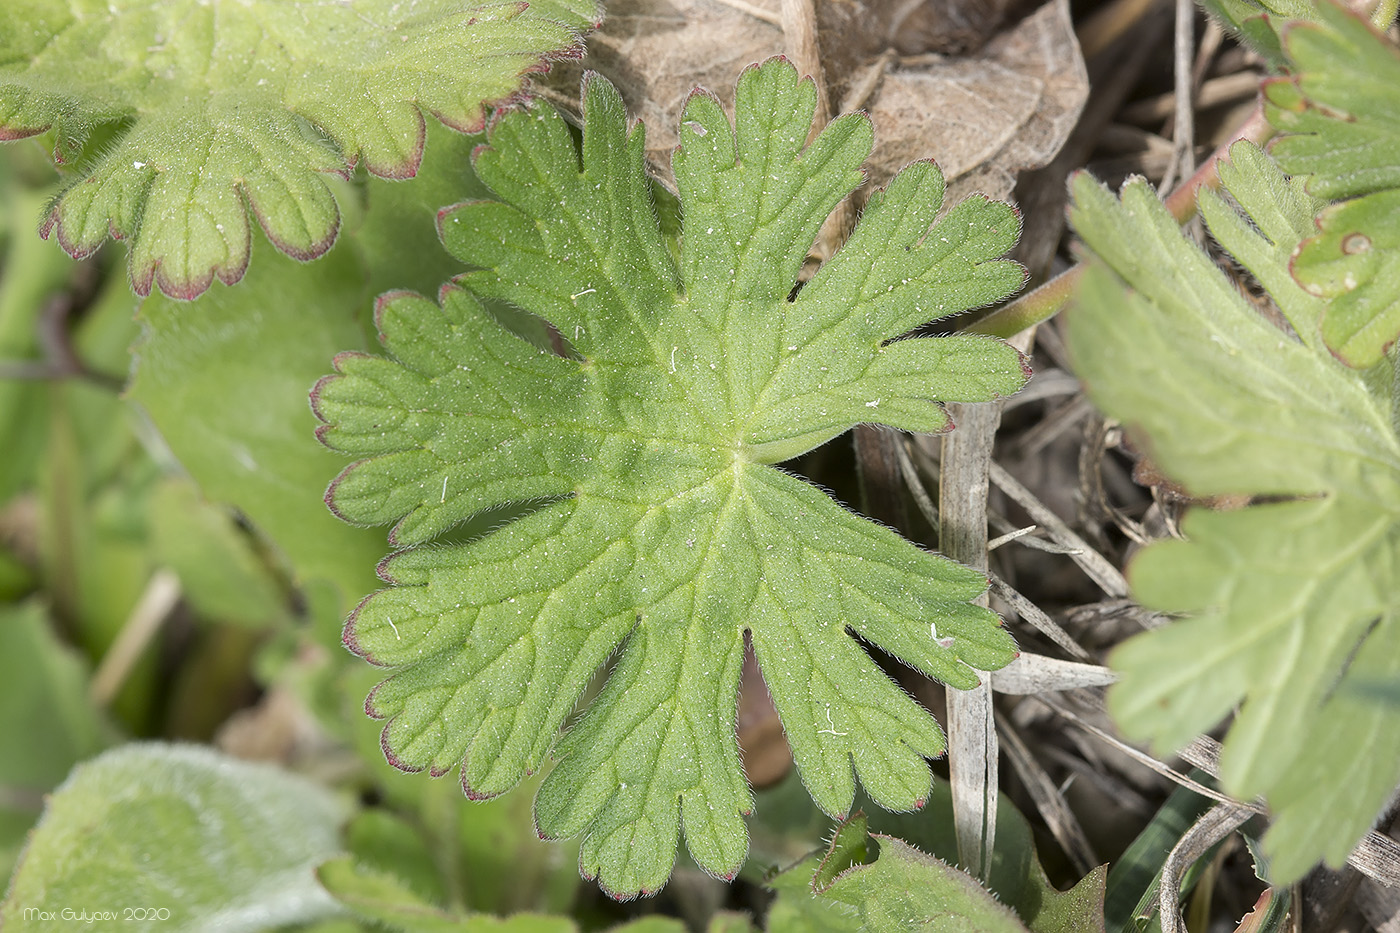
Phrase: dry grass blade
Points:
(1010, 536)
(799, 22)
(1377, 856)
(1242, 85)
(1140, 756)
(972, 737)
(1064, 826)
(1037, 618)
(151, 610)
(915, 485)
(1052, 426)
(1108, 577)
(1046, 383)
(1217, 823)
(1183, 129)
(757, 12)
(1036, 673)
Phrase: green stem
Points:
(1044, 302)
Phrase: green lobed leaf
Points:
(1340, 107)
(660, 524)
(904, 888)
(1355, 262)
(1257, 22)
(1016, 875)
(901, 889)
(1290, 601)
(1342, 111)
(219, 843)
(783, 819)
(237, 106)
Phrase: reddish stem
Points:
(1043, 303)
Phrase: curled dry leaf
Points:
(987, 116)
(984, 116)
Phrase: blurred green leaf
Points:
(222, 576)
(92, 496)
(385, 899)
(104, 335)
(389, 844)
(797, 909)
(1292, 598)
(506, 867)
(31, 272)
(398, 236)
(652, 924)
(47, 722)
(225, 379)
(222, 844)
(17, 578)
(726, 922)
(1384, 690)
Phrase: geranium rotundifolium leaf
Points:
(226, 107)
(1340, 109)
(902, 888)
(1354, 260)
(1257, 22)
(1291, 601)
(660, 527)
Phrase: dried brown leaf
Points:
(984, 117)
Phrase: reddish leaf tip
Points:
(384, 569)
(392, 758)
(384, 300)
(314, 399)
(476, 795)
(329, 496)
